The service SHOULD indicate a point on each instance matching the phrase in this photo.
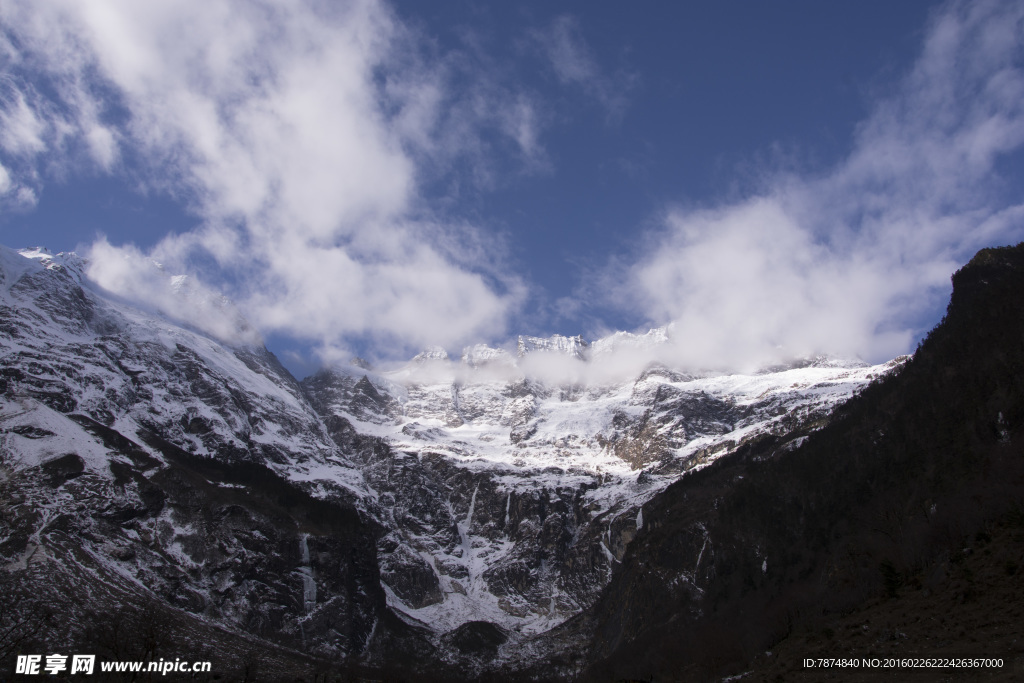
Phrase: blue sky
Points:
(373, 178)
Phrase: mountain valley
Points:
(511, 512)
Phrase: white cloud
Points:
(302, 134)
(34, 130)
(102, 146)
(463, 106)
(845, 262)
(571, 60)
(20, 130)
(297, 131)
(25, 197)
(128, 271)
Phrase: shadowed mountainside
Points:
(905, 511)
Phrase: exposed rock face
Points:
(445, 510)
(143, 461)
(574, 347)
(768, 550)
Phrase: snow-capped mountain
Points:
(454, 509)
(511, 497)
(143, 460)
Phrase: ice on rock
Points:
(480, 355)
(306, 572)
(620, 342)
(574, 347)
(431, 353)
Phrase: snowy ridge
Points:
(620, 341)
(564, 435)
(434, 353)
(98, 356)
(481, 354)
(574, 347)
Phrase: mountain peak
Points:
(576, 347)
(361, 363)
(430, 353)
(479, 355)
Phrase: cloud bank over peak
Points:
(847, 261)
(324, 148)
(295, 131)
(179, 297)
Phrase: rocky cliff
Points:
(896, 531)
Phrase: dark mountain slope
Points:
(785, 543)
